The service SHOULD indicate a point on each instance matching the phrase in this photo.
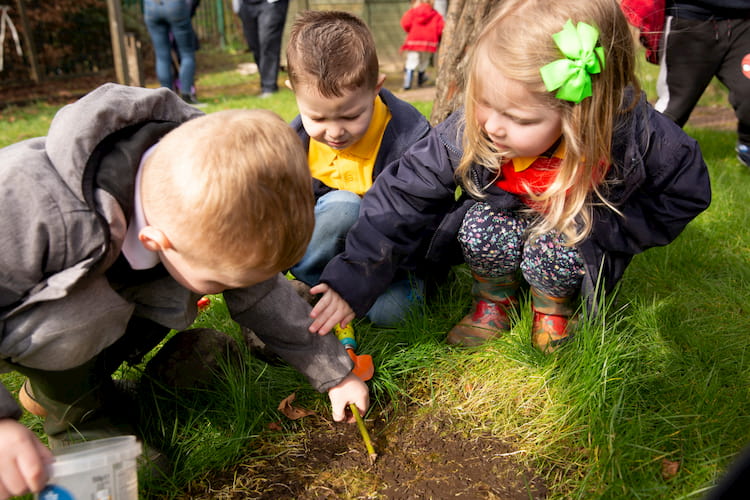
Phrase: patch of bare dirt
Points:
(426, 93)
(418, 458)
(714, 117)
(57, 91)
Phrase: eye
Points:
(482, 103)
(523, 121)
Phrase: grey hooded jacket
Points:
(65, 203)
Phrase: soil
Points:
(418, 455)
(58, 91)
(417, 458)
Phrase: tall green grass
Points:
(661, 375)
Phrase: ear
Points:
(381, 81)
(154, 239)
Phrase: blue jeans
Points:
(163, 17)
(335, 214)
(397, 301)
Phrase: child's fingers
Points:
(321, 315)
(319, 288)
(319, 310)
(35, 472)
(337, 316)
(23, 460)
(338, 412)
(330, 310)
(347, 319)
(324, 323)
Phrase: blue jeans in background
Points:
(335, 214)
(163, 17)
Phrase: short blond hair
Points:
(517, 40)
(234, 190)
(332, 52)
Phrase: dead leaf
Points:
(274, 426)
(293, 412)
(669, 469)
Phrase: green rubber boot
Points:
(84, 403)
(78, 404)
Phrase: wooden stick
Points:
(363, 431)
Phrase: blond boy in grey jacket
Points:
(132, 207)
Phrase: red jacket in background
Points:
(648, 17)
(423, 26)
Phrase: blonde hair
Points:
(518, 41)
(233, 189)
(332, 51)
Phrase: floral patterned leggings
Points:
(495, 244)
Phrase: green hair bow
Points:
(572, 75)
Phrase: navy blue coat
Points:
(410, 218)
(407, 126)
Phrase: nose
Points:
(495, 125)
(336, 131)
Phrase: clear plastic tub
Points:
(103, 469)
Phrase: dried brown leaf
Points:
(669, 469)
(293, 412)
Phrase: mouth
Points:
(501, 148)
(336, 144)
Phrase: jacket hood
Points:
(424, 13)
(102, 112)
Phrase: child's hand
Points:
(23, 460)
(349, 390)
(330, 309)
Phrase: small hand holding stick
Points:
(364, 369)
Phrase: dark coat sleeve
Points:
(659, 183)
(398, 216)
(673, 188)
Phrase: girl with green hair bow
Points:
(553, 175)
(552, 103)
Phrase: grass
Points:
(662, 377)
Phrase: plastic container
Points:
(103, 469)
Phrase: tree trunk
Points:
(29, 40)
(463, 22)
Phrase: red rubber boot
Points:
(554, 320)
(493, 299)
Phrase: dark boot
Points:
(493, 299)
(78, 405)
(554, 320)
(408, 77)
(85, 403)
(421, 78)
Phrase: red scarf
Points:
(521, 175)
